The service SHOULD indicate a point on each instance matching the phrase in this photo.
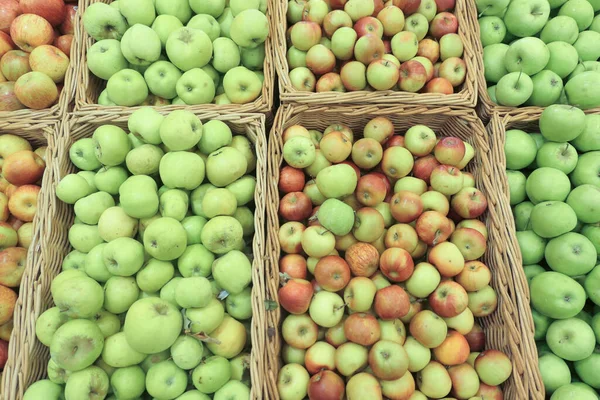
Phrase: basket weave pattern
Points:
(510, 328)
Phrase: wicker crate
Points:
(89, 86)
(39, 134)
(510, 328)
(467, 96)
(30, 357)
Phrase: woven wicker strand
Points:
(467, 96)
(510, 328)
(28, 357)
(89, 86)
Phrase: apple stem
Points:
(518, 79)
(484, 10)
(203, 337)
(284, 278)
(340, 307)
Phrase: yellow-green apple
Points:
(295, 296)
(299, 152)
(363, 385)
(367, 153)
(388, 360)
(493, 367)
(463, 323)
(29, 31)
(413, 76)
(357, 9)
(354, 76)
(36, 90)
(435, 201)
(326, 384)
(14, 64)
(476, 338)
(439, 85)
(418, 355)
(295, 130)
(396, 264)
(299, 331)
(370, 190)
(423, 166)
(474, 224)
(320, 60)
(454, 350)
(403, 236)
(53, 11)
(405, 45)
(290, 237)
(406, 206)
(369, 48)
(23, 168)
(291, 355)
(295, 206)
(475, 276)
(454, 70)
(449, 299)
(312, 191)
(429, 49)
(429, 69)
(330, 82)
(359, 294)
(332, 273)
(341, 128)
(469, 179)
(470, 243)
(423, 281)
(317, 241)
(443, 24)
(397, 162)
(8, 98)
(401, 388)
(9, 10)
(326, 309)
(335, 146)
(379, 128)
(12, 266)
(428, 9)
(303, 79)
(50, 61)
(393, 330)
(451, 45)
(418, 24)
(369, 25)
(362, 328)
(420, 140)
(382, 74)
(391, 302)
(292, 382)
(449, 150)
(8, 298)
(392, 19)
(305, 34)
(446, 179)
(447, 258)
(4, 213)
(483, 302)
(343, 41)
(335, 20)
(434, 380)
(335, 335)
(465, 382)
(8, 236)
(315, 11)
(320, 356)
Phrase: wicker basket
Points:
(510, 328)
(467, 96)
(29, 356)
(39, 134)
(89, 86)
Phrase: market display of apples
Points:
(22, 169)
(35, 46)
(155, 298)
(541, 52)
(350, 45)
(380, 270)
(159, 52)
(555, 194)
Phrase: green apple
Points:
(189, 48)
(165, 239)
(232, 271)
(522, 215)
(138, 11)
(297, 58)
(219, 202)
(182, 170)
(72, 188)
(571, 254)
(90, 208)
(112, 144)
(591, 285)
(196, 87)
(144, 160)
(580, 10)
(561, 156)
(89, 177)
(197, 196)
(84, 237)
(211, 374)
(109, 179)
(181, 130)
(226, 54)
(90, 382)
(242, 85)
(563, 58)
(541, 323)
(246, 147)
(492, 30)
(249, 28)
(585, 200)
(140, 45)
(557, 296)
(555, 372)
(243, 189)
(493, 60)
(337, 181)
(583, 90)
(129, 382)
(571, 339)
(127, 88)
(76, 344)
(547, 184)
(516, 185)
(210, 7)
(225, 20)
(595, 26)
(94, 264)
(47, 324)
(233, 389)
(587, 169)
(103, 99)
(207, 24)
(104, 58)
(547, 89)
(514, 89)
(193, 226)
(166, 380)
(161, 78)
(215, 134)
(74, 260)
(592, 232)
(520, 149)
(586, 369)
(225, 166)
(193, 292)
(120, 293)
(82, 154)
(560, 29)
(222, 234)
(174, 204)
(555, 119)
(115, 223)
(491, 7)
(164, 25)
(239, 305)
(138, 196)
(589, 140)
(528, 55)
(145, 123)
(206, 319)
(123, 256)
(177, 8)
(532, 246)
(187, 352)
(154, 274)
(254, 58)
(575, 390)
(587, 46)
(101, 21)
(526, 17)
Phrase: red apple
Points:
(369, 48)
(295, 206)
(295, 296)
(449, 150)
(337, 4)
(3, 353)
(64, 43)
(335, 20)
(53, 11)
(363, 259)
(469, 203)
(330, 82)
(6, 43)
(395, 140)
(449, 299)
(396, 264)
(290, 236)
(476, 338)
(23, 168)
(465, 381)
(362, 328)
(29, 31)
(23, 202)
(439, 85)
(433, 228)
(428, 329)
(429, 49)
(68, 25)
(454, 350)
(369, 25)
(36, 90)
(371, 190)
(9, 10)
(407, 6)
(379, 4)
(406, 206)
(293, 265)
(291, 179)
(391, 302)
(413, 76)
(320, 60)
(442, 24)
(332, 273)
(403, 236)
(326, 385)
(487, 392)
(445, 5)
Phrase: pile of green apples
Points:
(156, 295)
(158, 52)
(555, 193)
(541, 52)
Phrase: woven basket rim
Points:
(86, 82)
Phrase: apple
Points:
(388, 360)
(36, 90)
(305, 34)
(514, 89)
(359, 294)
(454, 350)
(335, 20)
(29, 31)
(418, 24)
(371, 190)
(382, 74)
(320, 60)
(362, 329)
(326, 309)
(324, 384)
(454, 70)
(413, 76)
(526, 18)
(434, 380)
(405, 45)
(392, 19)
(295, 206)
(50, 61)
(362, 258)
(391, 302)
(369, 48)
(290, 235)
(14, 64)
(332, 273)
(363, 384)
(53, 11)
(9, 10)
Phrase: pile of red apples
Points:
(352, 45)
(381, 273)
(35, 46)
